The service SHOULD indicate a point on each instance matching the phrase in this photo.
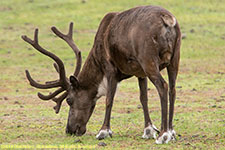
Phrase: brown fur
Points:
(138, 42)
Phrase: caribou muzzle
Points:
(77, 130)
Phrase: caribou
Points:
(138, 42)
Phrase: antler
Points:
(69, 40)
(62, 83)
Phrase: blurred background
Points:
(24, 119)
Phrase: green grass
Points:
(200, 105)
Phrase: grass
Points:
(200, 106)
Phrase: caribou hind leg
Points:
(172, 75)
(150, 130)
(150, 66)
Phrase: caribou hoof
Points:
(166, 137)
(173, 133)
(150, 132)
(104, 134)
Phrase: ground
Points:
(200, 105)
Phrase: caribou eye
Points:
(69, 101)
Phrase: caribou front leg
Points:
(150, 130)
(111, 90)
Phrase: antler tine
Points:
(70, 33)
(51, 95)
(56, 67)
(59, 67)
(69, 39)
(63, 81)
(59, 101)
(40, 86)
(78, 64)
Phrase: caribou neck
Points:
(91, 75)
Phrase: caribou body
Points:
(138, 42)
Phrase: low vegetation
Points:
(200, 106)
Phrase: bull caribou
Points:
(139, 42)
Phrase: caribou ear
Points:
(74, 82)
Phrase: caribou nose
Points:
(77, 126)
(77, 129)
(73, 130)
(81, 131)
(69, 130)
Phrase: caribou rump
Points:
(137, 42)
